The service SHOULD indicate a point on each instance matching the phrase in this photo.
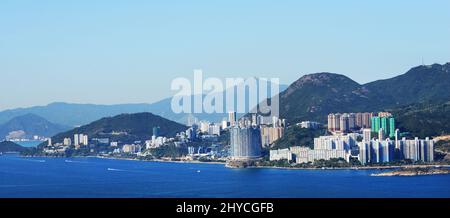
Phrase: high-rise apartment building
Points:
(363, 120)
(376, 151)
(334, 122)
(381, 134)
(367, 135)
(67, 142)
(417, 150)
(342, 122)
(392, 130)
(156, 131)
(385, 123)
(232, 118)
(76, 140)
(376, 124)
(245, 143)
(270, 134)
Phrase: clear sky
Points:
(108, 51)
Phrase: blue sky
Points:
(107, 52)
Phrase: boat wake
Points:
(38, 161)
(117, 170)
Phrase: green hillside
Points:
(125, 128)
(425, 119)
(314, 96)
(7, 146)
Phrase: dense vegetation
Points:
(296, 136)
(424, 120)
(332, 163)
(442, 151)
(7, 146)
(443, 146)
(125, 128)
(420, 84)
(169, 151)
(314, 96)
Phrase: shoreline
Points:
(408, 172)
(158, 160)
(351, 168)
(262, 167)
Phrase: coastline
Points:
(417, 171)
(351, 168)
(158, 160)
(262, 167)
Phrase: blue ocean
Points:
(28, 143)
(104, 178)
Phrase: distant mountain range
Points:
(311, 97)
(29, 125)
(125, 128)
(314, 96)
(74, 115)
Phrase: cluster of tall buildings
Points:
(416, 149)
(386, 150)
(81, 140)
(78, 140)
(376, 151)
(270, 135)
(347, 122)
(249, 134)
(325, 148)
(341, 122)
(210, 128)
(157, 140)
(373, 151)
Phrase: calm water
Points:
(29, 143)
(92, 177)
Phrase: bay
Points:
(22, 177)
(28, 144)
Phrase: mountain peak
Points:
(321, 78)
(57, 103)
(134, 126)
(313, 96)
(27, 118)
(30, 124)
(324, 79)
(437, 67)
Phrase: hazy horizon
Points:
(164, 98)
(113, 52)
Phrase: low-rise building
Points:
(281, 154)
(309, 125)
(131, 148)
